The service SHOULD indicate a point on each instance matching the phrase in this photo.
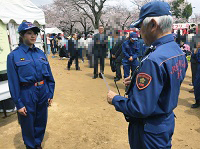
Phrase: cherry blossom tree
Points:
(90, 8)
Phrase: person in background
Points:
(185, 48)
(99, 50)
(196, 54)
(89, 47)
(59, 42)
(130, 49)
(81, 46)
(31, 85)
(73, 52)
(62, 48)
(54, 46)
(117, 54)
(194, 62)
(48, 44)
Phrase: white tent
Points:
(20, 10)
(52, 30)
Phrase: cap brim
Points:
(136, 24)
(134, 38)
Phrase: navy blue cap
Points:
(134, 36)
(152, 9)
(26, 26)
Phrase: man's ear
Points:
(154, 25)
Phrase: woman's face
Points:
(29, 37)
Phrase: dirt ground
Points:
(81, 118)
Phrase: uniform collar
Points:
(163, 40)
(27, 48)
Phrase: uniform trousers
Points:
(194, 70)
(102, 63)
(72, 58)
(127, 66)
(35, 99)
(153, 134)
(118, 70)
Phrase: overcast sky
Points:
(195, 3)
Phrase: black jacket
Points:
(117, 50)
(100, 45)
(72, 47)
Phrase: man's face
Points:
(101, 29)
(132, 40)
(144, 34)
(148, 33)
(75, 36)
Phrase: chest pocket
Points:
(44, 66)
(24, 68)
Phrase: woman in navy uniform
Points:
(31, 85)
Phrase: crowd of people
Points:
(122, 48)
(96, 47)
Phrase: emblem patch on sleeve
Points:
(143, 80)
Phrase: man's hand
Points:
(50, 102)
(110, 96)
(127, 81)
(131, 58)
(22, 111)
(113, 56)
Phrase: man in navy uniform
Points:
(130, 49)
(154, 91)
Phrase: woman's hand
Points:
(23, 111)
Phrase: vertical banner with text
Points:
(4, 46)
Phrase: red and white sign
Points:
(181, 26)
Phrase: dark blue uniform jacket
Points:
(130, 49)
(157, 85)
(30, 66)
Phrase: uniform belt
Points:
(142, 120)
(35, 84)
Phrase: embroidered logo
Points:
(22, 59)
(143, 80)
